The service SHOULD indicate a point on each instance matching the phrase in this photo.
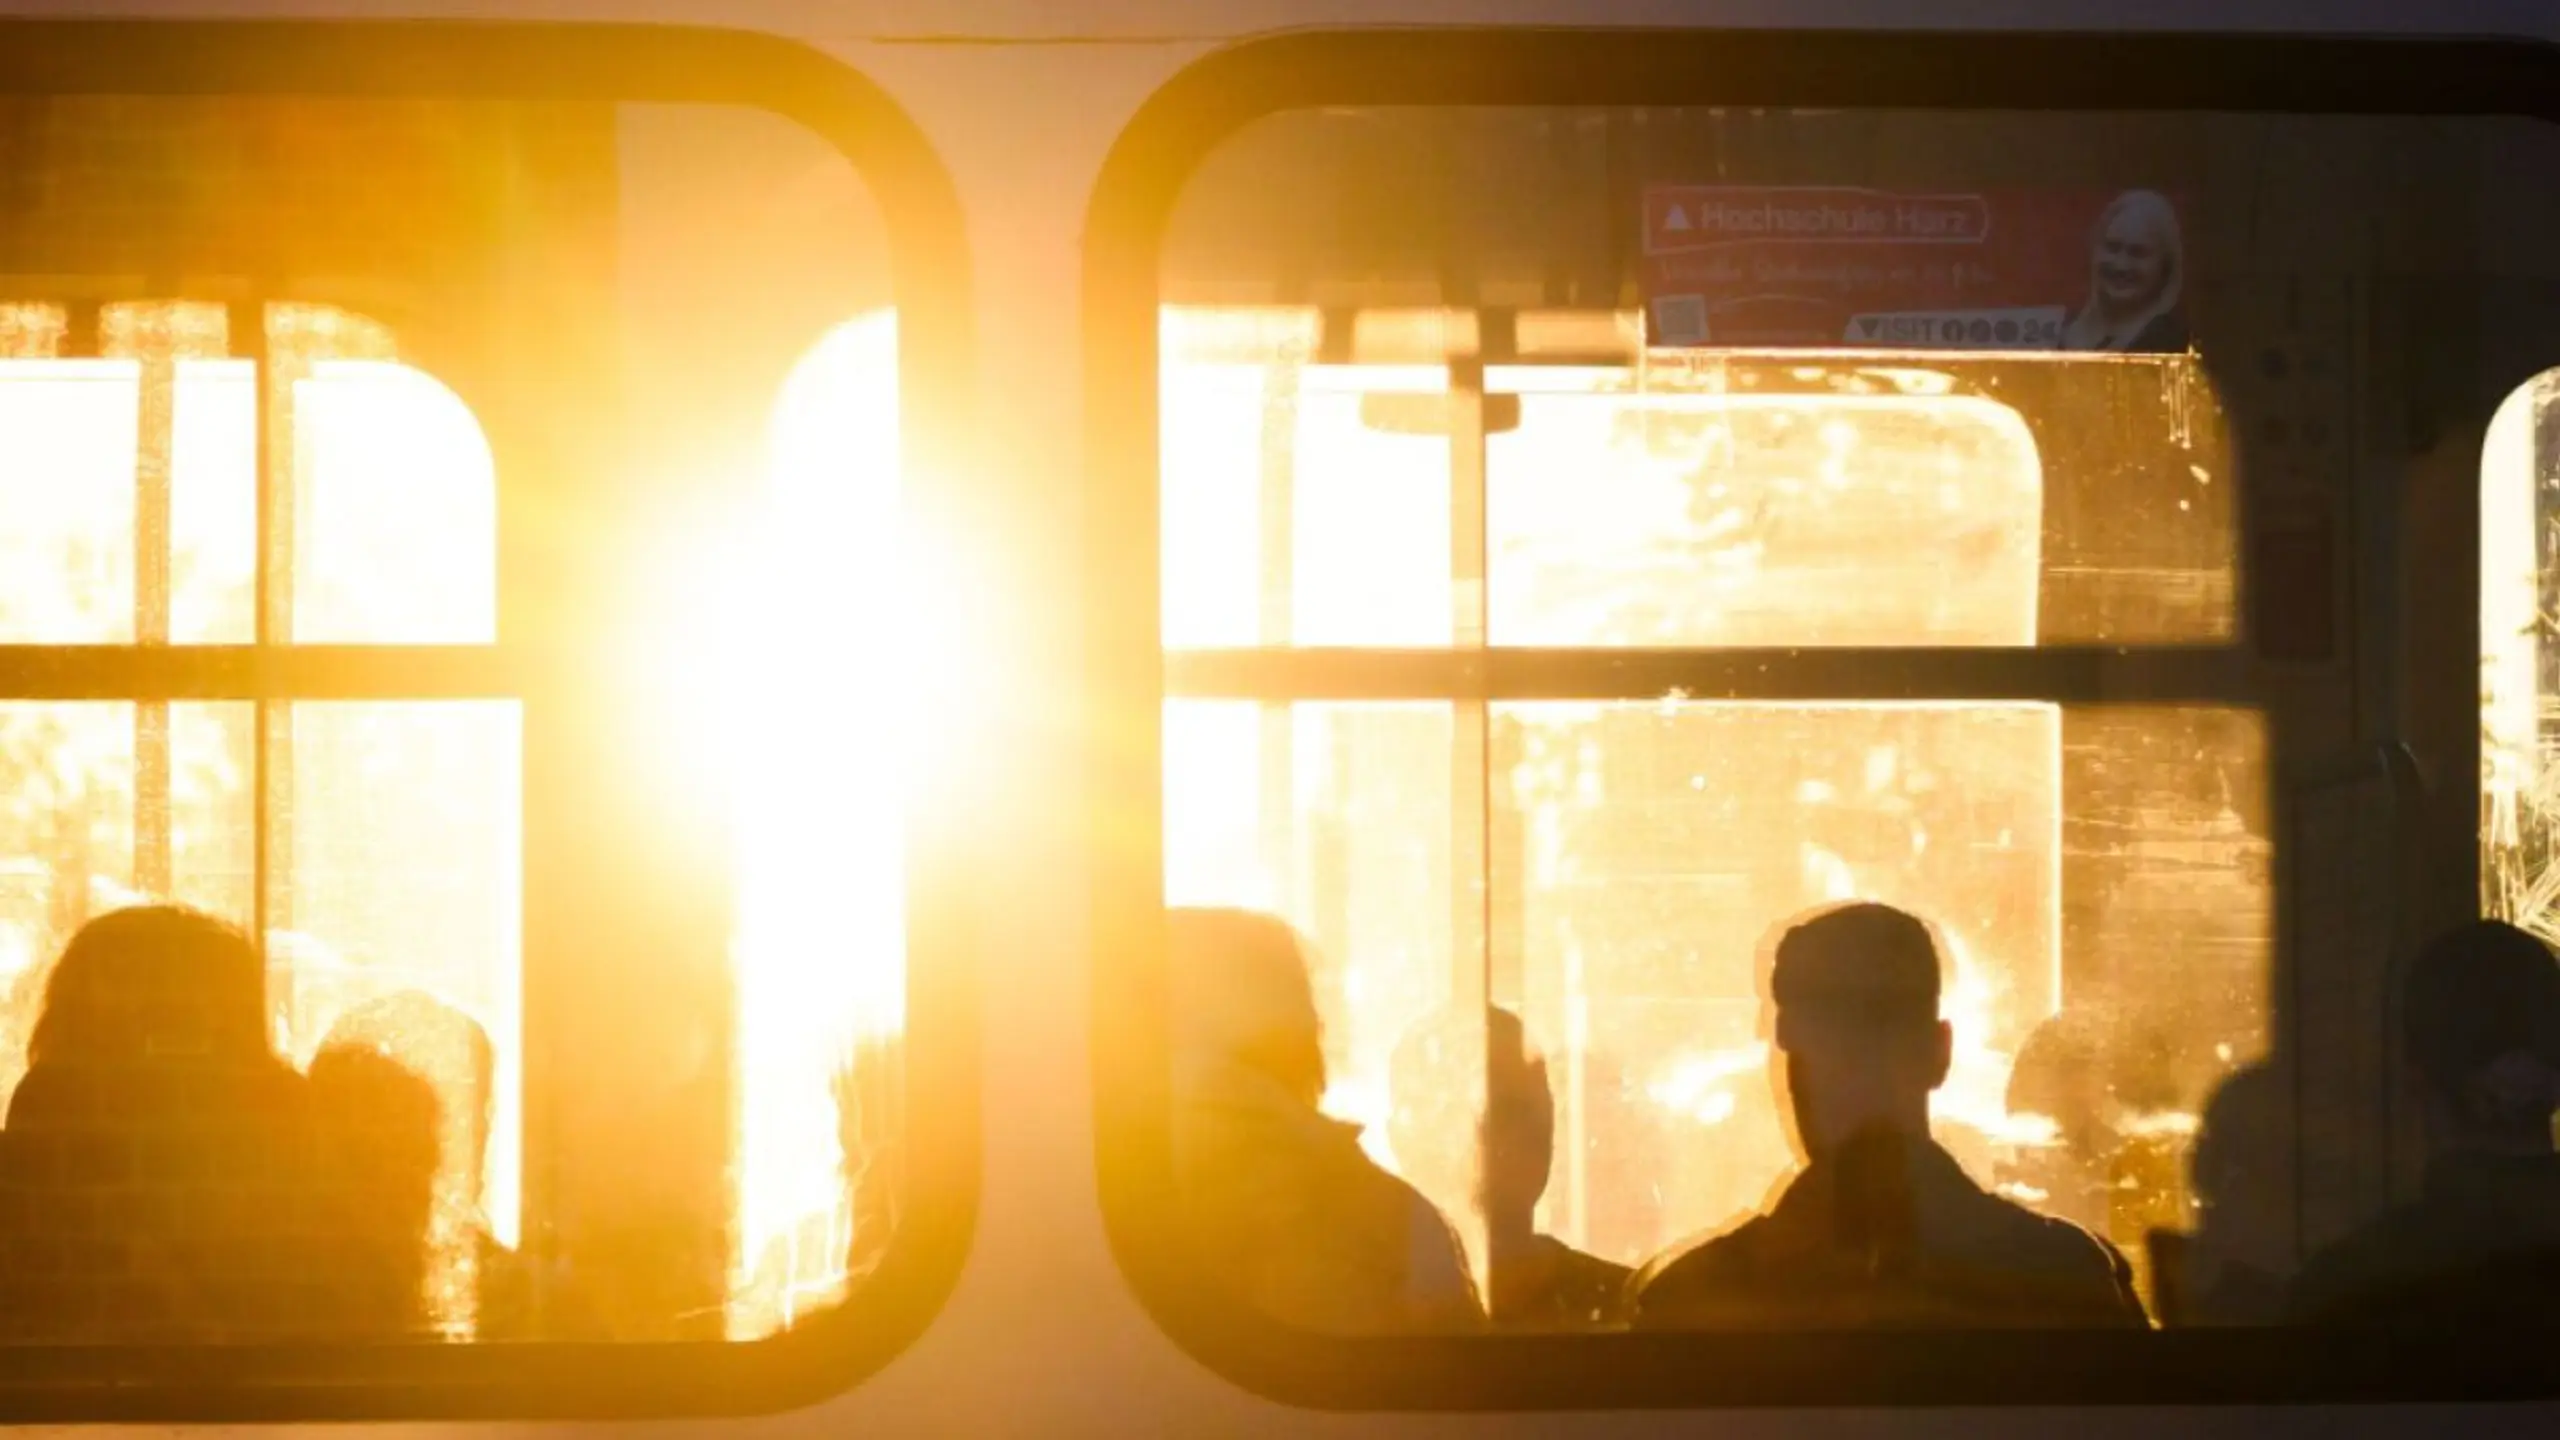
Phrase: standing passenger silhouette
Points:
(1880, 1229)
(2480, 1017)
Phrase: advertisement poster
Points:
(1753, 266)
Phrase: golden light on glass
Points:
(1616, 515)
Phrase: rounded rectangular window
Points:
(408, 593)
(1763, 732)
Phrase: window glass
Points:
(2519, 807)
(1639, 848)
(403, 876)
(1743, 482)
(1689, 518)
(53, 409)
(1902, 579)
(576, 1000)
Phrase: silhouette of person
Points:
(2059, 1076)
(2230, 1272)
(2110, 1167)
(1283, 1206)
(379, 1153)
(410, 1082)
(1880, 1228)
(2480, 1019)
(164, 1155)
(1535, 1281)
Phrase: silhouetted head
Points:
(1435, 1078)
(1853, 1001)
(153, 983)
(440, 1045)
(374, 1104)
(2060, 1074)
(1241, 997)
(2480, 1017)
(381, 1151)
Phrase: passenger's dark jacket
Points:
(2480, 1245)
(1287, 1211)
(1936, 1251)
(186, 1202)
(1550, 1285)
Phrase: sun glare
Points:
(819, 728)
(791, 642)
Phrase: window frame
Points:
(1130, 677)
(922, 218)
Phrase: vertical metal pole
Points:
(155, 457)
(69, 888)
(1277, 533)
(1470, 759)
(271, 845)
(1471, 790)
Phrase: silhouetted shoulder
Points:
(42, 1099)
(2019, 1238)
(2481, 1241)
(2386, 1254)
(1576, 1290)
(1707, 1281)
(2034, 1269)
(1976, 1261)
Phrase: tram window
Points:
(1822, 508)
(2520, 792)
(440, 543)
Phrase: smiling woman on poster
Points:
(2137, 268)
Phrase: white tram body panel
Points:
(1021, 102)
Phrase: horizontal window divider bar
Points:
(2061, 674)
(251, 672)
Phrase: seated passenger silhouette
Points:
(1536, 1281)
(2480, 1246)
(164, 1158)
(2230, 1271)
(1880, 1229)
(409, 1082)
(377, 1123)
(2114, 1163)
(2059, 1075)
(1284, 1208)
